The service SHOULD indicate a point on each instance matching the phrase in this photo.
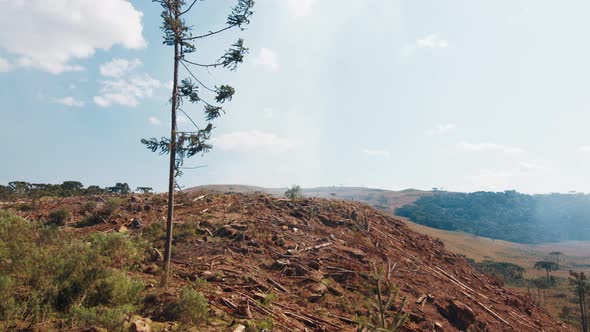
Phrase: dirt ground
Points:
(307, 264)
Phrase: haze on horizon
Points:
(390, 94)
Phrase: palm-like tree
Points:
(547, 266)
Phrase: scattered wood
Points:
(277, 285)
(488, 310)
(228, 303)
(319, 246)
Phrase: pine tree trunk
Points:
(172, 170)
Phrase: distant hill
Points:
(384, 200)
(508, 215)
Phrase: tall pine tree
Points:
(182, 144)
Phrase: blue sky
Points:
(463, 95)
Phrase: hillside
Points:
(508, 215)
(384, 200)
(304, 265)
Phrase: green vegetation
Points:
(508, 215)
(384, 309)
(59, 216)
(21, 189)
(547, 266)
(508, 273)
(294, 193)
(190, 309)
(48, 277)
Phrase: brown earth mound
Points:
(315, 257)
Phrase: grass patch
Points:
(48, 277)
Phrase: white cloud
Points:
(376, 152)
(268, 58)
(125, 87)
(69, 101)
(441, 129)
(50, 34)
(253, 140)
(300, 8)
(126, 92)
(482, 147)
(154, 121)
(5, 66)
(432, 41)
(118, 67)
(585, 148)
(524, 176)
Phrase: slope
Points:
(306, 265)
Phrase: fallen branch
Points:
(277, 285)
(319, 246)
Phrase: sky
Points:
(455, 94)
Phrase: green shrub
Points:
(25, 207)
(294, 193)
(59, 277)
(119, 248)
(112, 319)
(268, 298)
(117, 289)
(111, 205)
(60, 216)
(89, 206)
(191, 307)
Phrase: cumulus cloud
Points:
(441, 129)
(267, 58)
(5, 66)
(300, 8)
(432, 41)
(154, 121)
(49, 35)
(69, 101)
(376, 152)
(253, 140)
(482, 147)
(119, 67)
(124, 86)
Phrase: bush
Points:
(89, 206)
(112, 319)
(25, 207)
(111, 205)
(116, 289)
(191, 307)
(47, 275)
(60, 216)
(294, 193)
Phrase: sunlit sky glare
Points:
(456, 94)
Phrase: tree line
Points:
(22, 189)
(507, 215)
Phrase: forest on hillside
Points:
(507, 215)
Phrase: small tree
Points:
(385, 309)
(144, 190)
(181, 145)
(294, 193)
(120, 188)
(547, 266)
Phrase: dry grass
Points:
(575, 254)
